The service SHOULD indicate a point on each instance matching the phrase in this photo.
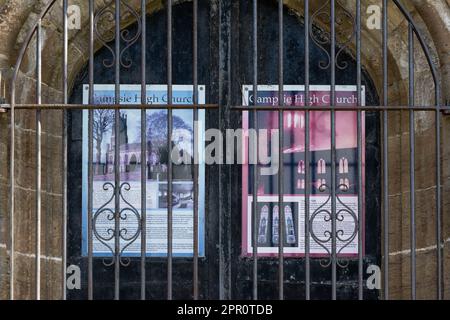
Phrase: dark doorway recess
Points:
(223, 272)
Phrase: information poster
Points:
(294, 169)
(157, 157)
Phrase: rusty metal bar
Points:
(93, 106)
(439, 240)
(440, 109)
(281, 216)
(117, 120)
(333, 152)
(196, 166)
(385, 155)
(360, 154)
(344, 108)
(307, 158)
(143, 148)
(255, 151)
(38, 161)
(169, 159)
(412, 166)
(12, 195)
(90, 151)
(64, 149)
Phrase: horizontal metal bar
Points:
(5, 108)
(111, 106)
(342, 108)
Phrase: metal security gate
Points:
(226, 109)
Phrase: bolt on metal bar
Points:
(143, 148)
(412, 161)
(255, 152)
(117, 120)
(385, 154)
(360, 153)
(333, 150)
(38, 161)
(196, 166)
(281, 222)
(90, 152)
(64, 149)
(169, 160)
(307, 158)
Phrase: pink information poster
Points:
(294, 169)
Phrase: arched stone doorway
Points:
(424, 14)
(214, 260)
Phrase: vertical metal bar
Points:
(307, 159)
(117, 121)
(439, 242)
(38, 159)
(196, 168)
(360, 153)
(12, 194)
(64, 150)
(222, 13)
(439, 195)
(255, 151)
(169, 148)
(385, 154)
(333, 151)
(412, 162)
(143, 148)
(281, 223)
(90, 151)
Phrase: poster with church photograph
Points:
(156, 176)
(269, 212)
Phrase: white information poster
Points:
(294, 174)
(130, 189)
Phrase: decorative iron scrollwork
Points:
(110, 232)
(324, 39)
(126, 236)
(104, 18)
(325, 240)
(321, 41)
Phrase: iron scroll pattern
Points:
(340, 216)
(106, 17)
(126, 236)
(324, 38)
